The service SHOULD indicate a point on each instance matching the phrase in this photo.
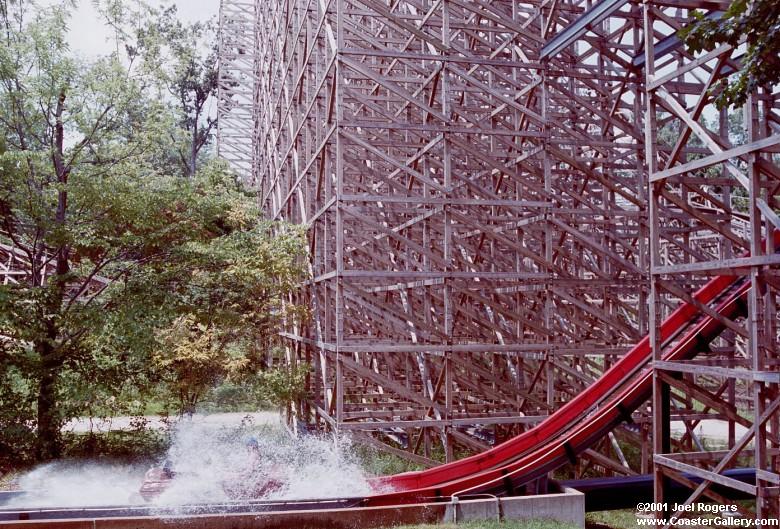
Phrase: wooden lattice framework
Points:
(14, 265)
(16, 268)
(717, 182)
(236, 85)
(474, 177)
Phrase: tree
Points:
(231, 293)
(758, 22)
(184, 59)
(46, 96)
(118, 248)
(284, 385)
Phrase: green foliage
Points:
(229, 397)
(136, 444)
(379, 463)
(758, 22)
(617, 519)
(183, 60)
(230, 292)
(189, 350)
(17, 440)
(133, 277)
(283, 384)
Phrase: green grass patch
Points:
(617, 519)
(379, 463)
(623, 519)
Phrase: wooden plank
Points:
(742, 374)
(719, 266)
(705, 474)
(403, 454)
(713, 159)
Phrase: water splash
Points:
(206, 457)
(74, 484)
(207, 463)
(321, 467)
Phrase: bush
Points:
(137, 444)
(17, 421)
(229, 397)
(378, 463)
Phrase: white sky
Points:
(89, 36)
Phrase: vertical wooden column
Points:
(755, 346)
(644, 245)
(770, 332)
(447, 254)
(660, 390)
(339, 217)
(548, 240)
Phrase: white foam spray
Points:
(205, 457)
(321, 467)
(205, 460)
(75, 484)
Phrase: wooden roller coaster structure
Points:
(501, 198)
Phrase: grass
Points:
(493, 524)
(618, 519)
(377, 463)
(626, 518)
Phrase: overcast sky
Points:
(89, 36)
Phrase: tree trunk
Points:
(50, 355)
(194, 148)
(48, 414)
(194, 152)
